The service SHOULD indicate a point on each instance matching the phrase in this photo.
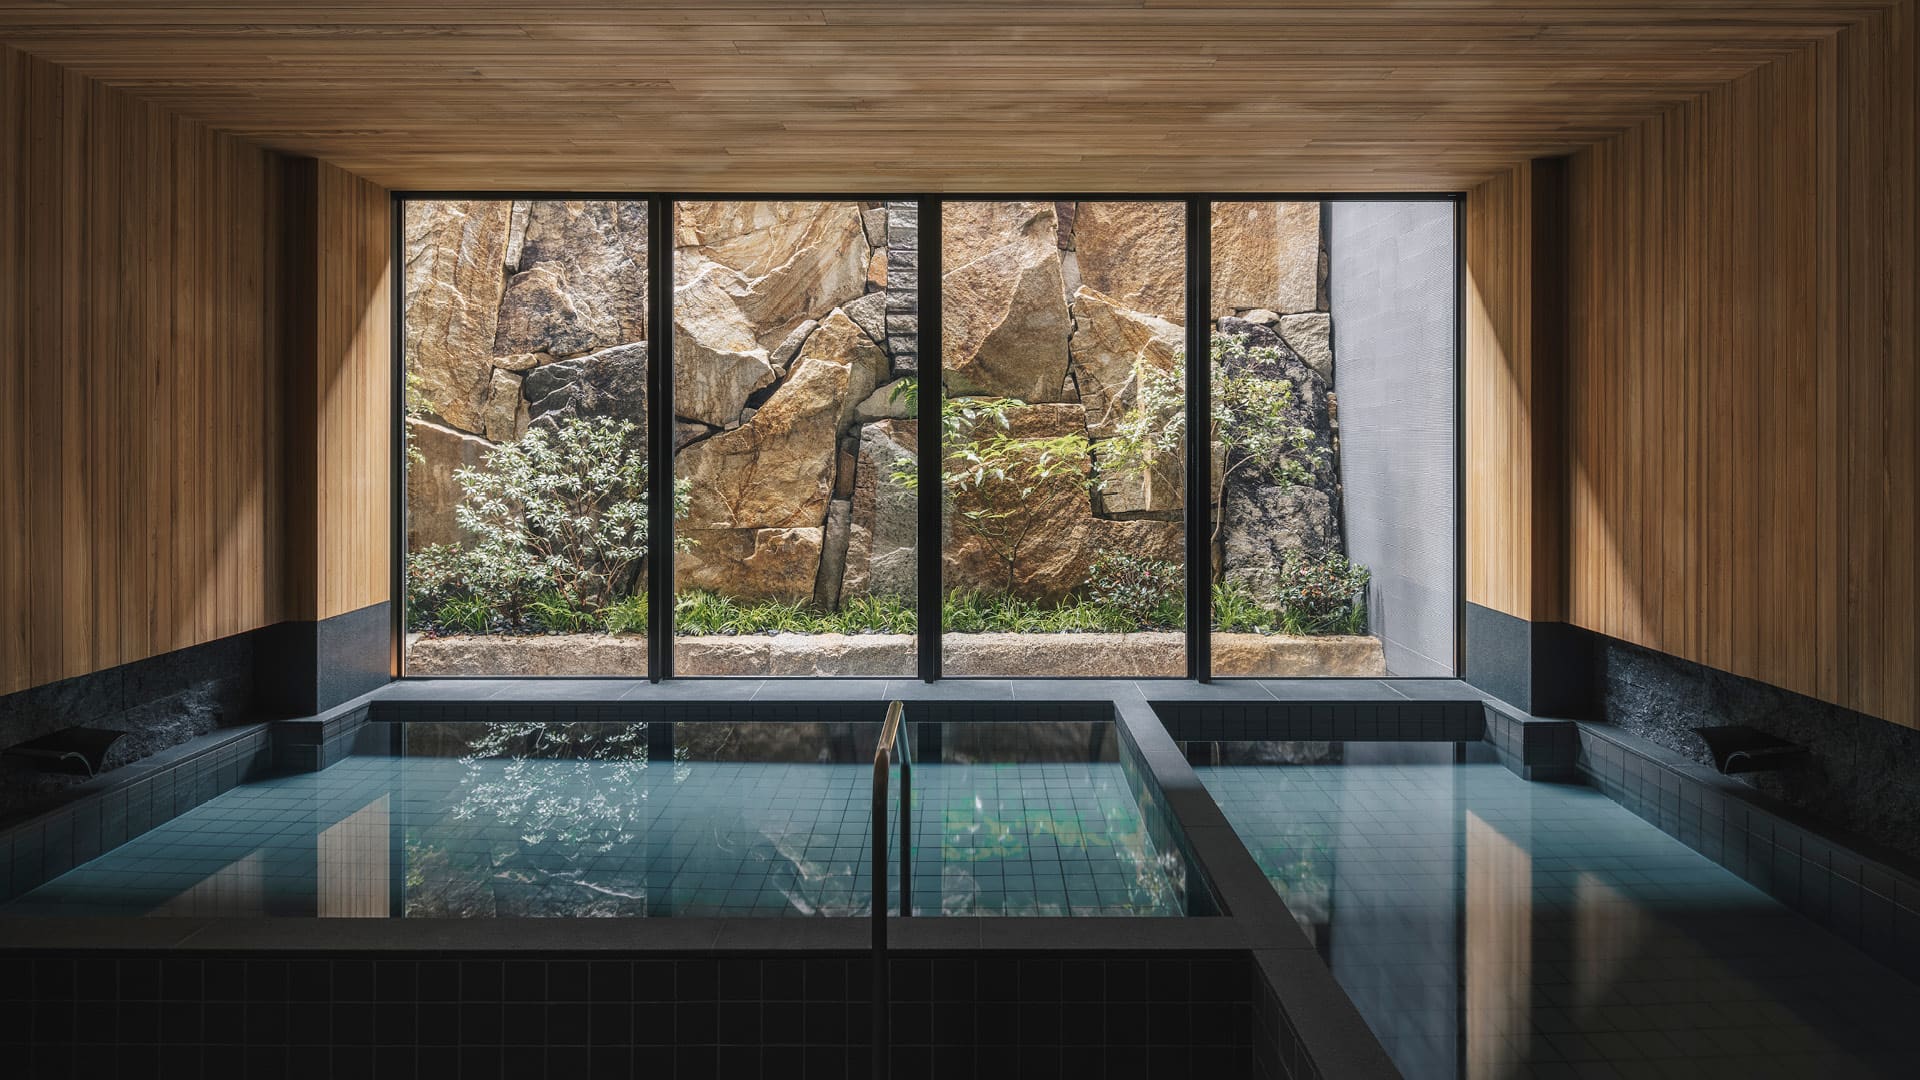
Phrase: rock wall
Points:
(794, 325)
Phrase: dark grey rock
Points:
(611, 383)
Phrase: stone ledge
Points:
(1146, 655)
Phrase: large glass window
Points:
(1334, 438)
(793, 397)
(524, 330)
(1330, 514)
(1062, 371)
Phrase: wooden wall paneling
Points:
(337, 415)
(1516, 504)
(139, 362)
(1740, 374)
(1499, 339)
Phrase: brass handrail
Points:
(893, 733)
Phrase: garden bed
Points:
(1158, 653)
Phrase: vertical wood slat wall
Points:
(1740, 395)
(143, 506)
(338, 399)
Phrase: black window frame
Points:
(928, 587)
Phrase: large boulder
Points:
(883, 540)
(582, 281)
(610, 383)
(452, 282)
(1136, 253)
(776, 470)
(717, 363)
(1266, 255)
(792, 260)
(1037, 541)
(1005, 324)
(751, 564)
(1112, 349)
(435, 454)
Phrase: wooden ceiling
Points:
(911, 95)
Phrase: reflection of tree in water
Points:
(970, 833)
(543, 821)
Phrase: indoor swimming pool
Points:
(485, 820)
(1491, 927)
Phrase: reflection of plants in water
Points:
(566, 793)
(971, 834)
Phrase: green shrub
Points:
(1235, 611)
(1322, 594)
(1145, 592)
(627, 615)
(555, 612)
(562, 510)
(464, 615)
(873, 615)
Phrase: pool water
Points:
(1491, 927)
(497, 833)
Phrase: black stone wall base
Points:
(1542, 668)
(1860, 776)
(302, 668)
(161, 702)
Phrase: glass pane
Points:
(524, 329)
(794, 354)
(1333, 371)
(1062, 417)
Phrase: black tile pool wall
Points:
(988, 1014)
(118, 806)
(1339, 721)
(1866, 902)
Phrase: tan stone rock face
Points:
(1266, 255)
(882, 543)
(717, 362)
(776, 470)
(506, 414)
(453, 279)
(1112, 347)
(582, 284)
(1042, 550)
(432, 491)
(1136, 253)
(751, 564)
(792, 260)
(1006, 325)
(1310, 335)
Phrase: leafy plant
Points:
(1012, 480)
(873, 615)
(465, 614)
(1322, 594)
(1236, 611)
(562, 510)
(627, 615)
(554, 612)
(1147, 592)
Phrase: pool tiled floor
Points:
(1491, 927)
(451, 838)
